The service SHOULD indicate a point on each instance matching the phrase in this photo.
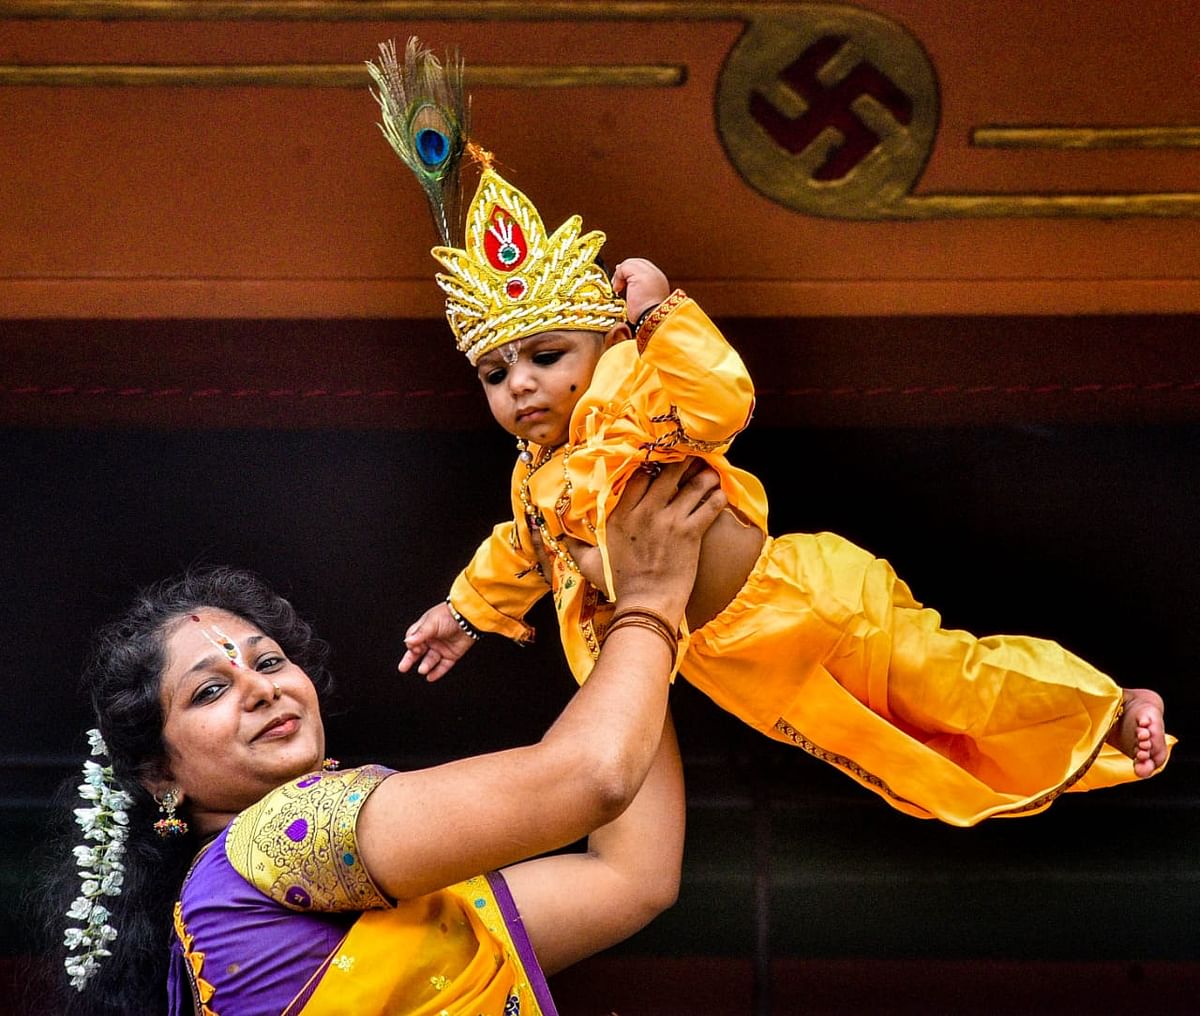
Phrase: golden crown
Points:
(512, 280)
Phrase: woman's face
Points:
(239, 717)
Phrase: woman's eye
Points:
(547, 357)
(271, 661)
(207, 693)
(494, 377)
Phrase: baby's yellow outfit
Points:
(824, 647)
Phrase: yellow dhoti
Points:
(825, 648)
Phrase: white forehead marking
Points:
(510, 351)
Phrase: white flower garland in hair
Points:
(101, 872)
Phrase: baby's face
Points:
(533, 384)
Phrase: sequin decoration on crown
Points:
(504, 244)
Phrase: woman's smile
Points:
(280, 727)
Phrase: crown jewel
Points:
(512, 280)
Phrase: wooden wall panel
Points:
(403, 374)
(193, 201)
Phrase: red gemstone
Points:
(515, 289)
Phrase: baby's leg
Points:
(1140, 733)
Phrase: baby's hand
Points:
(642, 283)
(435, 643)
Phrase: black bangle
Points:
(462, 622)
(637, 326)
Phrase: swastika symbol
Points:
(829, 106)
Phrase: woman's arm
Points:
(573, 905)
(424, 830)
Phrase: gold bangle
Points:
(644, 617)
(646, 612)
(637, 622)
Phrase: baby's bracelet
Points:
(462, 622)
(641, 318)
(643, 617)
(649, 319)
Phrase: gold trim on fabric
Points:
(535, 518)
(679, 436)
(833, 758)
(297, 845)
(656, 317)
(842, 761)
(1085, 137)
(193, 962)
(1074, 778)
(594, 618)
(331, 76)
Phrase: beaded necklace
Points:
(533, 514)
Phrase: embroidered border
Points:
(648, 327)
(842, 761)
(534, 518)
(193, 963)
(1071, 780)
(297, 845)
(594, 618)
(679, 435)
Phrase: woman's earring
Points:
(330, 765)
(523, 452)
(170, 826)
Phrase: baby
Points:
(806, 637)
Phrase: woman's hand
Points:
(434, 643)
(423, 830)
(654, 535)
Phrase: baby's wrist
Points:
(636, 323)
(467, 628)
(649, 320)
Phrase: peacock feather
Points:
(425, 116)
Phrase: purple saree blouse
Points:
(269, 903)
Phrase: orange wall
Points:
(285, 202)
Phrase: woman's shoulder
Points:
(298, 843)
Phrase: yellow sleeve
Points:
(709, 388)
(298, 844)
(501, 584)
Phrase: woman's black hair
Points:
(123, 678)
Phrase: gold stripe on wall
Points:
(1085, 137)
(1169, 204)
(334, 75)
(383, 10)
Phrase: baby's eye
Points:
(494, 377)
(547, 357)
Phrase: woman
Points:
(326, 892)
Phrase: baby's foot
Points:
(1139, 733)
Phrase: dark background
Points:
(1080, 531)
